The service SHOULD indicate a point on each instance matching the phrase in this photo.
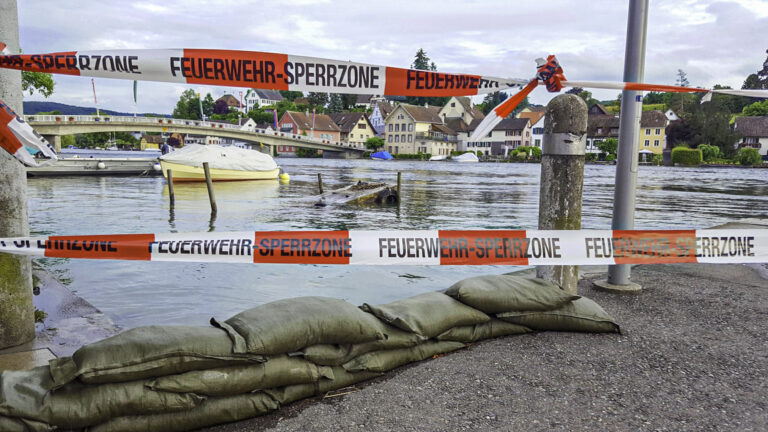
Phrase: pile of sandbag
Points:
(182, 378)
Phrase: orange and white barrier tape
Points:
(15, 134)
(252, 69)
(433, 247)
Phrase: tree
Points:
(221, 107)
(574, 91)
(42, 82)
(291, 95)
(374, 143)
(422, 62)
(67, 140)
(491, 100)
(710, 124)
(758, 80)
(188, 106)
(682, 81)
(749, 156)
(678, 132)
(756, 109)
(261, 116)
(653, 98)
(317, 99)
(208, 105)
(587, 96)
(608, 146)
(348, 101)
(710, 152)
(336, 103)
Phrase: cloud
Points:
(715, 42)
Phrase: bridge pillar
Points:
(55, 141)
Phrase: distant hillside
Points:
(34, 107)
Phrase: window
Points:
(390, 127)
(402, 138)
(647, 131)
(410, 127)
(538, 131)
(389, 138)
(647, 143)
(655, 143)
(658, 131)
(489, 134)
(410, 138)
(397, 127)
(397, 138)
(361, 126)
(396, 149)
(507, 132)
(453, 104)
(750, 140)
(402, 128)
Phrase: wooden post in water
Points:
(399, 178)
(209, 183)
(320, 182)
(169, 173)
(562, 178)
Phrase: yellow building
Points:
(653, 135)
(151, 142)
(355, 127)
(411, 129)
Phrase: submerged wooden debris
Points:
(360, 193)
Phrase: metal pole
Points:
(169, 174)
(17, 322)
(629, 130)
(562, 178)
(209, 183)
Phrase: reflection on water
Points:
(435, 195)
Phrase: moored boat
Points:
(224, 163)
(466, 157)
(382, 155)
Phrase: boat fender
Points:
(156, 167)
(284, 177)
(101, 165)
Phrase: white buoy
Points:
(101, 165)
(156, 167)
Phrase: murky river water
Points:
(436, 195)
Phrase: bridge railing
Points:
(164, 121)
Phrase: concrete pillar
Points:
(55, 141)
(17, 322)
(562, 177)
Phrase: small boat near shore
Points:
(438, 158)
(382, 155)
(466, 157)
(225, 164)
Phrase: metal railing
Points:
(163, 121)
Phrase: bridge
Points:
(52, 127)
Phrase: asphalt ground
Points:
(692, 355)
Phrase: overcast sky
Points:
(714, 42)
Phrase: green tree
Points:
(291, 95)
(208, 105)
(422, 62)
(348, 101)
(42, 82)
(710, 152)
(608, 146)
(374, 143)
(67, 140)
(335, 103)
(653, 98)
(710, 124)
(587, 96)
(261, 116)
(756, 109)
(749, 156)
(491, 100)
(317, 99)
(188, 106)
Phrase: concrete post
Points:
(562, 177)
(55, 141)
(17, 322)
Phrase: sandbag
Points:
(288, 325)
(492, 329)
(148, 352)
(336, 355)
(582, 315)
(506, 293)
(275, 372)
(342, 378)
(212, 411)
(427, 314)
(12, 424)
(383, 361)
(29, 395)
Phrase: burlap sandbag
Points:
(506, 293)
(288, 325)
(336, 355)
(275, 372)
(492, 329)
(152, 351)
(427, 314)
(582, 315)
(27, 394)
(383, 361)
(14, 424)
(213, 411)
(342, 378)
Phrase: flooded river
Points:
(436, 195)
